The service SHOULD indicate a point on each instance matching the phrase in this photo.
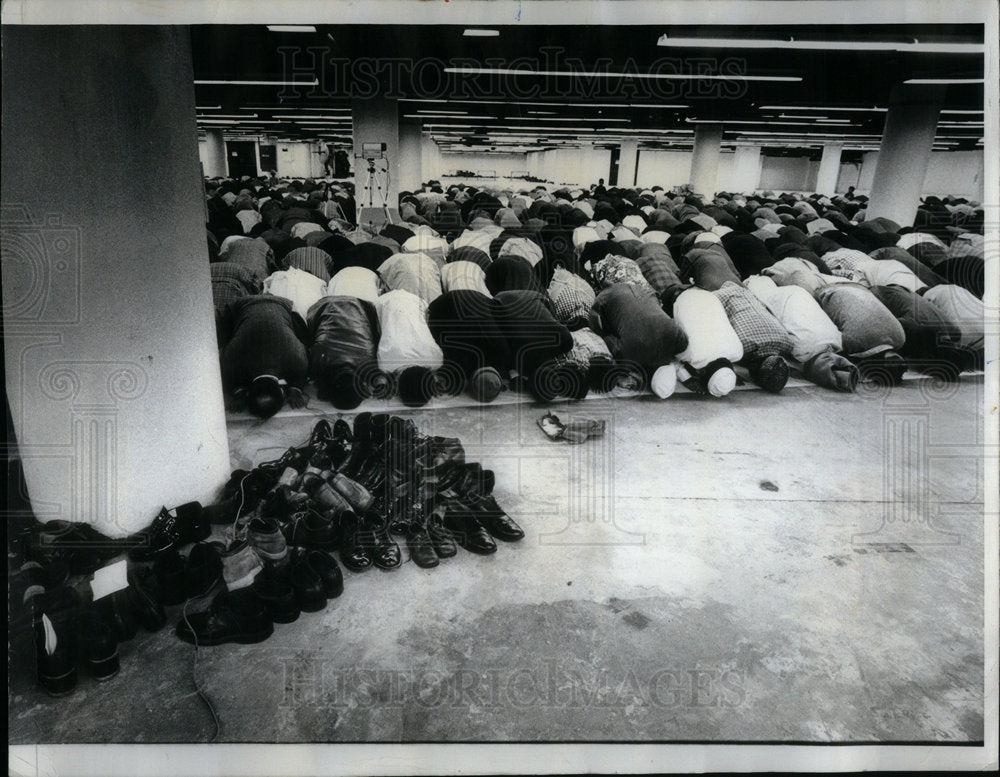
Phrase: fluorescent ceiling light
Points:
(230, 116)
(943, 81)
(578, 118)
(816, 108)
(503, 71)
(314, 82)
(237, 121)
(418, 116)
(535, 104)
(833, 45)
(964, 112)
(291, 28)
(443, 113)
(208, 107)
(310, 118)
(544, 113)
(960, 124)
(479, 33)
(741, 121)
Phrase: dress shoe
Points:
(264, 536)
(79, 545)
(311, 529)
(144, 596)
(326, 567)
(278, 597)
(495, 520)
(441, 538)
(202, 571)
(170, 573)
(468, 532)
(324, 495)
(354, 554)
(234, 616)
(117, 612)
(359, 497)
(421, 548)
(339, 448)
(308, 586)
(171, 529)
(383, 550)
(56, 620)
(100, 647)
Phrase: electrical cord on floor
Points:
(194, 678)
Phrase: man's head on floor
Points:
(265, 396)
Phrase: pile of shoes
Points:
(345, 492)
(265, 552)
(70, 628)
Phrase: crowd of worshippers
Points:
(564, 292)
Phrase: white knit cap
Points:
(664, 381)
(722, 382)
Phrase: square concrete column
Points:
(705, 159)
(376, 120)
(905, 152)
(745, 175)
(829, 169)
(112, 363)
(410, 165)
(215, 158)
(627, 160)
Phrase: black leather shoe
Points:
(353, 552)
(100, 648)
(339, 448)
(383, 550)
(308, 586)
(421, 548)
(171, 579)
(441, 538)
(171, 529)
(56, 620)
(117, 612)
(468, 532)
(310, 529)
(278, 597)
(202, 571)
(79, 545)
(496, 521)
(234, 616)
(327, 568)
(144, 595)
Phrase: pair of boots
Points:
(365, 542)
(68, 631)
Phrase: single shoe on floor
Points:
(170, 570)
(325, 565)
(144, 595)
(56, 623)
(354, 554)
(234, 616)
(117, 611)
(312, 529)
(275, 590)
(100, 646)
(240, 565)
(171, 529)
(468, 532)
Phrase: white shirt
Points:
(710, 335)
(357, 282)
(406, 339)
(811, 329)
(456, 276)
(301, 288)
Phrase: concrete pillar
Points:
(112, 364)
(627, 160)
(410, 168)
(905, 152)
(745, 176)
(705, 159)
(430, 159)
(376, 120)
(215, 159)
(829, 169)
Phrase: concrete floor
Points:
(801, 568)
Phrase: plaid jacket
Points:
(230, 281)
(761, 333)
